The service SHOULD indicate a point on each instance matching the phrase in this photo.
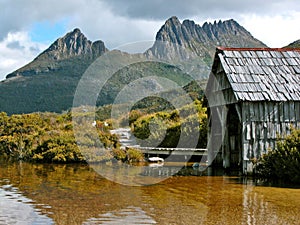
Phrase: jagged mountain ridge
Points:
(193, 46)
(206, 37)
(48, 83)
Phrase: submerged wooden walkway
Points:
(173, 151)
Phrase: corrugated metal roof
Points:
(259, 74)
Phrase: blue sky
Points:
(29, 27)
(47, 31)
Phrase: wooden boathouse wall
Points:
(254, 98)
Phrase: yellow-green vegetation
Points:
(128, 155)
(190, 119)
(283, 162)
(49, 137)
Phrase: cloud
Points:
(19, 15)
(16, 50)
(160, 9)
(15, 45)
(277, 30)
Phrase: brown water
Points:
(75, 194)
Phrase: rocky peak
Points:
(73, 44)
(170, 31)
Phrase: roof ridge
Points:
(220, 48)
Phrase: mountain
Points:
(295, 44)
(193, 46)
(61, 57)
(49, 82)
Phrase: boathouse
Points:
(253, 99)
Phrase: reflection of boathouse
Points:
(253, 95)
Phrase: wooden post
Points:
(225, 145)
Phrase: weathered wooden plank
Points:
(278, 130)
(281, 111)
(271, 111)
(275, 111)
(257, 111)
(286, 112)
(272, 143)
(248, 131)
(245, 152)
(262, 149)
(297, 111)
(273, 130)
(291, 61)
(265, 116)
(239, 112)
(251, 111)
(255, 152)
(253, 130)
(258, 130)
(292, 111)
(269, 132)
(224, 64)
(260, 106)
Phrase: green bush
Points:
(134, 155)
(128, 155)
(185, 122)
(283, 162)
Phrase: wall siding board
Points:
(275, 110)
(271, 111)
(281, 111)
(292, 111)
(297, 111)
(261, 111)
(286, 112)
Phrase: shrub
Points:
(282, 163)
(128, 155)
(134, 155)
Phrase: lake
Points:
(76, 194)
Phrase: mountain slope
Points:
(295, 44)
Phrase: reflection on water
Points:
(17, 209)
(76, 194)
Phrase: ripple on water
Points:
(129, 215)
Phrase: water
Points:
(75, 194)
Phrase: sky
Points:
(29, 26)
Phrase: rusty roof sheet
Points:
(259, 74)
